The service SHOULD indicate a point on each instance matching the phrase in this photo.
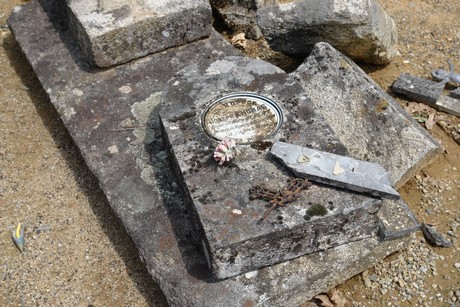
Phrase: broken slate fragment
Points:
(449, 105)
(332, 169)
(456, 93)
(434, 237)
(418, 89)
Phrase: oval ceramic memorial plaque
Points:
(243, 117)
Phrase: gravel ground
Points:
(77, 252)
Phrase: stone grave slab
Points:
(360, 29)
(104, 111)
(366, 119)
(113, 32)
(219, 196)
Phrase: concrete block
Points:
(134, 171)
(359, 28)
(114, 32)
(219, 195)
(366, 119)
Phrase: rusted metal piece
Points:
(281, 197)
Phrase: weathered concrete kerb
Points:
(134, 169)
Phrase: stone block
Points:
(360, 29)
(114, 32)
(219, 195)
(371, 125)
(134, 170)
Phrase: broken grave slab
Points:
(113, 32)
(455, 93)
(425, 91)
(418, 89)
(367, 120)
(219, 196)
(133, 169)
(360, 29)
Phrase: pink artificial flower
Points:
(225, 151)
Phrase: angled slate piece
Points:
(138, 181)
(336, 170)
(455, 93)
(371, 125)
(448, 104)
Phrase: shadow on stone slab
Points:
(86, 180)
(54, 9)
(177, 210)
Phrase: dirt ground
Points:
(77, 252)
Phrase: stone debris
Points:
(455, 93)
(434, 237)
(115, 32)
(404, 274)
(360, 29)
(426, 91)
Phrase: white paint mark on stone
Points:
(236, 211)
(113, 149)
(96, 126)
(125, 89)
(77, 92)
(176, 83)
(128, 139)
(165, 33)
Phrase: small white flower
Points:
(225, 151)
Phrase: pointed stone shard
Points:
(340, 171)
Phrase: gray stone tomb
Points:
(133, 165)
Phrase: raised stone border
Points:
(114, 32)
(133, 168)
